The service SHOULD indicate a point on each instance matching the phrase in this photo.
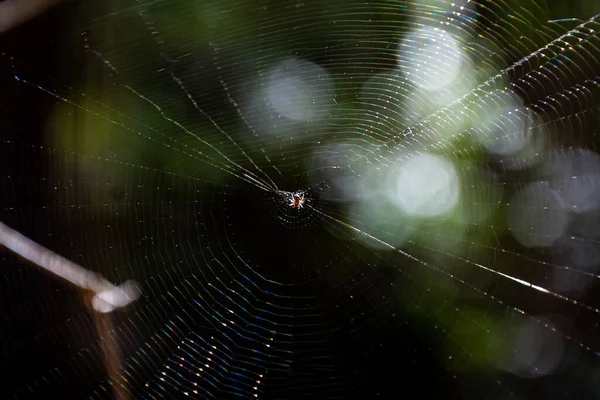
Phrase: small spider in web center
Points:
(296, 200)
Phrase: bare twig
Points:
(15, 12)
(107, 296)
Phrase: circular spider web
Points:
(445, 154)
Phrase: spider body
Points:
(296, 200)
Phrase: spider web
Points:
(449, 231)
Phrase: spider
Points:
(296, 200)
